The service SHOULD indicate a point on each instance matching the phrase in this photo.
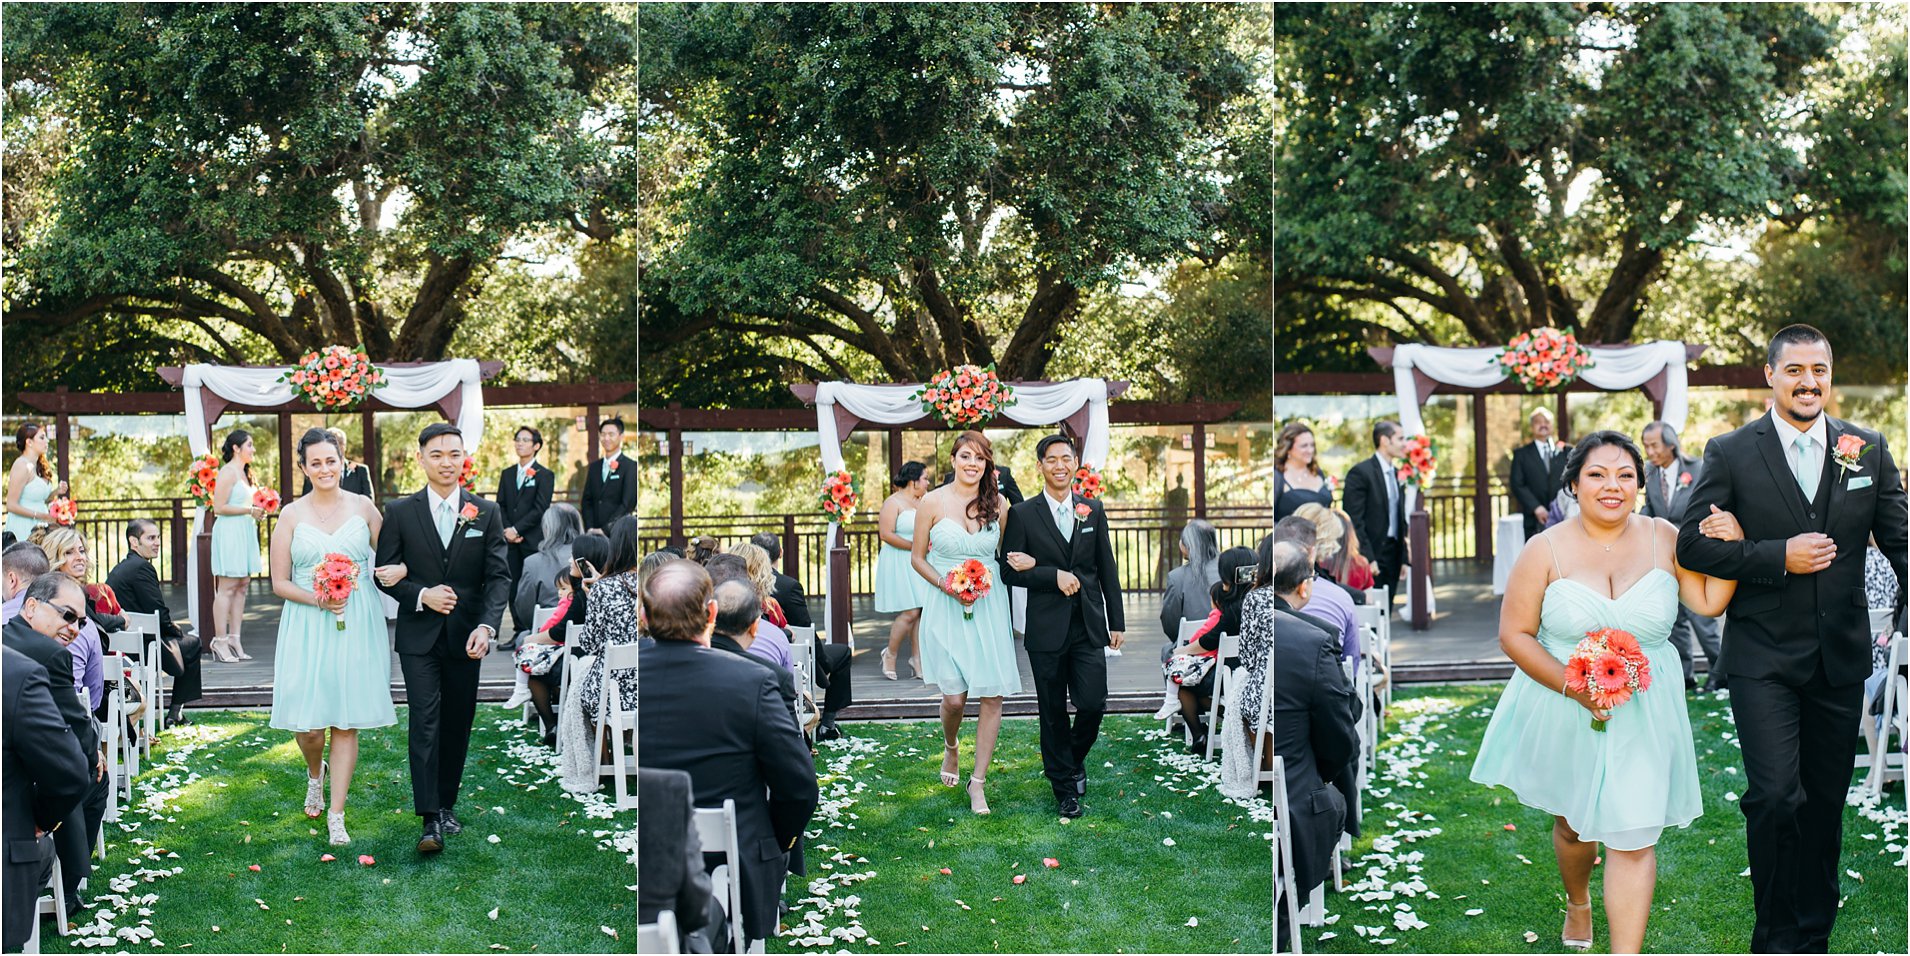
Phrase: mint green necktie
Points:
(1807, 472)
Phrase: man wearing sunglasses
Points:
(50, 616)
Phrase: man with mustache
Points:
(1808, 490)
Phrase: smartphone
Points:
(1245, 577)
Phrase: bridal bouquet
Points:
(63, 511)
(205, 471)
(266, 500)
(1418, 465)
(1544, 358)
(468, 475)
(334, 581)
(1610, 665)
(840, 495)
(1087, 482)
(965, 396)
(334, 377)
(968, 582)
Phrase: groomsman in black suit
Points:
(1377, 505)
(1809, 491)
(449, 607)
(44, 774)
(1669, 476)
(1538, 472)
(523, 493)
(610, 482)
(1061, 540)
(357, 476)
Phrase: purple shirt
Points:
(88, 658)
(772, 645)
(1329, 603)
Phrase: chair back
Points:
(1187, 631)
(716, 832)
(147, 623)
(540, 617)
(660, 936)
(802, 635)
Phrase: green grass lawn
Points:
(1438, 843)
(227, 794)
(887, 828)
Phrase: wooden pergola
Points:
(1419, 542)
(63, 404)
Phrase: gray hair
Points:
(1203, 551)
(1666, 434)
(561, 526)
(737, 607)
(1290, 567)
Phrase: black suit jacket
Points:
(606, 501)
(357, 480)
(43, 775)
(136, 583)
(670, 873)
(475, 565)
(1364, 499)
(1779, 624)
(524, 507)
(1312, 729)
(58, 661)
(1534, 485)
(795, 606)
(1089, 556)
(723, 721)
(1673, 510)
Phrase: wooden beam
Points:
(1381, 383)
(174, 403)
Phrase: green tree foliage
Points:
(877, 191)
(1454, 172)
(236, 182)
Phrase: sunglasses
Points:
(71, 616)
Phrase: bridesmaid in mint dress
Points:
(972, 653)
(235, 545)
(898, 589)
(29, 483)
(1624, 786)
(324, 678)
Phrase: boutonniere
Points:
(1684, 480)
(613, 466)
(1849, 449)
(467, 514)
(1081, 511)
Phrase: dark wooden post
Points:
(895, 455)
(285, 455)
(1419, 551)
(593, 415)
(792, 560)
(202, 614)
(1200, 469)
(180, 531)
(62, 440)
(677, 535)
(1564, 423)
(368, 422)
(1482, 524)
(839, 594)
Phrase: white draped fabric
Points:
(1035, 405)
(1612, 368)
(412, 387)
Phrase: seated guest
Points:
(653, 561)
(44, 774)
(50, 616)
(559, 527)
(572, 584)
(670, 863)
(1348, 566)
(1329, 534)
(1225, 596)
(1331, 603)
(739, 612)
(22, 562)
(611, 617)
(833, 661)
(723, 720)
(673, 551)
(1187, 595)
(772, 642)
(66, 554)
(136, 582)
(704, 546)
(1313, 717)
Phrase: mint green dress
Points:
(1624, 786)
(326, 677)
(967, 655)
(897, 587)
(235, 538)
(33, 497)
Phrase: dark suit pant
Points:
(442, 689)
(1392, 555)
(23, 881)
(514, 555)
(832, 667)
(184, 669)
(1078, 671)
(1799, 744)
(1703, 630)
(74, 839)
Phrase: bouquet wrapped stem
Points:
(334, 580)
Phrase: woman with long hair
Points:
(898, 591)
(1186, 597)
(967, 647)
(235, 545)
(30, 484)
(1297, 479)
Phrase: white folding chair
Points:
(613, 721)
(1187, 631)
(1285, 884)
(128, 646)
(1884, 762)
(155, 685)
(660, 936)
(802, 656)
(540, 615)
(52, 901)
(716, 831)
(1229, 647)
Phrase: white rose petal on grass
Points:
(1531, 937)
(492, 839)
(1730, 797)
(1475, 912)
(1853, 874)
(493, 913)
(608, 931)
(1193, 921)
(1169, 841)
(1326, 936)
(1747, 872)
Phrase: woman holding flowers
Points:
(967, 644)
(1612, 761)
(235, 544)
(332, 668)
